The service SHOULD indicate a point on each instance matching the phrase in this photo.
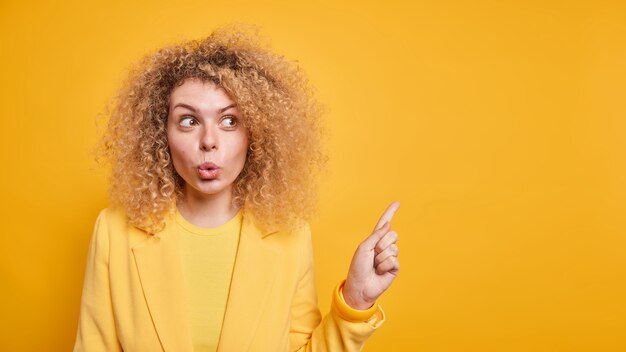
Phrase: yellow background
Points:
(499, 125)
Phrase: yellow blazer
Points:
(133, 298)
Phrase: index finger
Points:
(388, 214)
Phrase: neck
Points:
(207, 210)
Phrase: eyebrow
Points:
(189, 107)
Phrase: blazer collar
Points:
(158, 260)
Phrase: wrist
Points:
(354, 301)
(348, 312)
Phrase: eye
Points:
(229, 122)
(187, 121)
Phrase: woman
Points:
(214, 146)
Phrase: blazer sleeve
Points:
(96, 326)
(310, 332)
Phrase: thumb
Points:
(371, 240)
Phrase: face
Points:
(207, 139)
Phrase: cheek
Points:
(178, 150)
(243, 151)
(240, 148)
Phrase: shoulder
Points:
(284, 238)
(111, 216)
(292, 245)
(112, 226)
(298, 236)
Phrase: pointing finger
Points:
(387, 215)
(370, 242)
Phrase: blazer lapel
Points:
(160, 270)
(253, 277)
(159, 264)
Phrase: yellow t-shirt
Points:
(208, 260)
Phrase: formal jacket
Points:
(133, 294)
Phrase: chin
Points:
(210, 190)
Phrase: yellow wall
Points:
(499, 125)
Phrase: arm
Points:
(96, 326)
(342, 329)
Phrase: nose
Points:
(208, 140)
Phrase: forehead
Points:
(200, 94)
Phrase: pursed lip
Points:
(209, 171)
(208, 166)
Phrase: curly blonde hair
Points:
(278, 182)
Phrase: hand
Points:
(375, 264)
